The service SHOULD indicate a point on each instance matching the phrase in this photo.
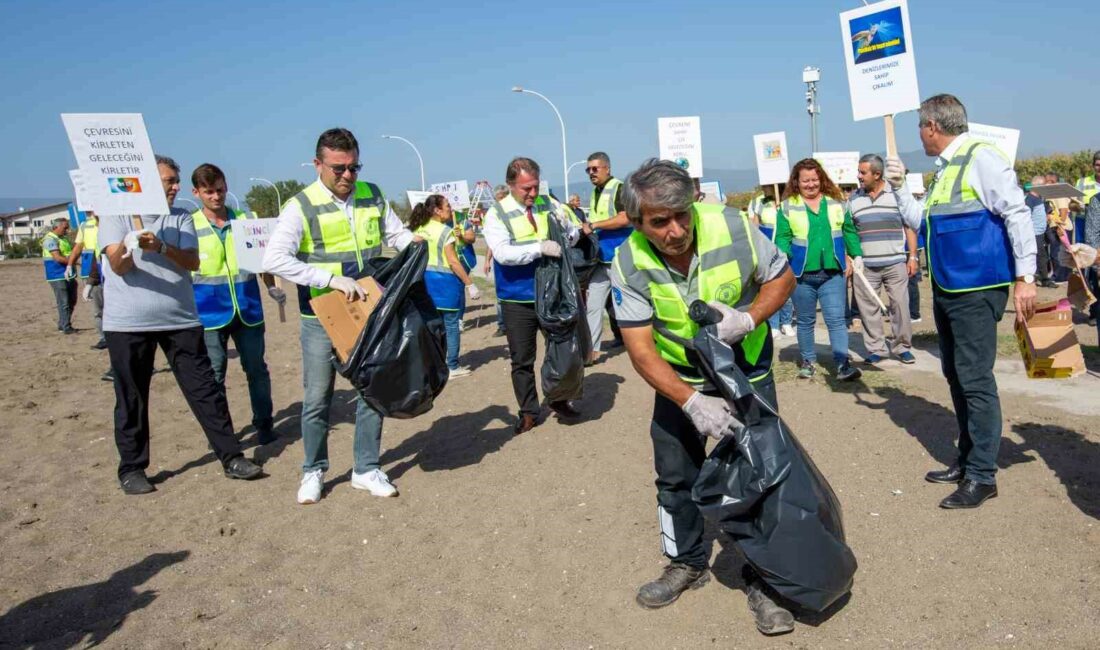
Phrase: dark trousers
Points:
(967, 326)
(521, 328)
(678, 453)
(1042, 260)
(250, 345)
(1061, 273)
(64, 294)
(914, 295)
(132, 356)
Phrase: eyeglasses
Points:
(591, 170)
(340, 169)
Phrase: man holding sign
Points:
(228, 298)
(980, 242)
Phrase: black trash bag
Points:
(560, 311)
(399, 363)
(762, 488)
(585, 257)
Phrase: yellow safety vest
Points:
(794, 209)
(222, 289)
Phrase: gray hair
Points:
(168, 162)
(60, 220)
(657, 184)
(500, 191)
(875, 162)
(946, 111)
(600, 156)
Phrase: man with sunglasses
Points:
(607, 217)
(322, 238)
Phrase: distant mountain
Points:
(13, 204)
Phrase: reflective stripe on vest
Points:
(222, 289)
(968, 246)
(55, 271)
(794, 209)
(90, 237)
(517, 283)
(767, 213)
(727, 265)
(328, 242)
(435, 233)
(1089, 187)
(602, 209)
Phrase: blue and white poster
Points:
(878, 48)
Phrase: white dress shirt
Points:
(500, 242)
(280, 258)
(994, 181)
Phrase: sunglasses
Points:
(591, 170)
(340, 169)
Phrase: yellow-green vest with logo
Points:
(726, 274)
(602, 209)
(766, 212)
(222, 289)
(328, 242)
(90, 237)
(55, 271)
(443, 285)
(794, 209)
(516, 283)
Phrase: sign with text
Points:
(250, 237)
(915, 183)
(841, 166)
(712, 192)
(85, 201)
(116, 161)
(1007, 140)
(416, 197)
(679, 139)
(457, 193)
(544, 188)
(772, 165)
(878, 48)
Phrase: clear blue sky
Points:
(249, 85)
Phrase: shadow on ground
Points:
(87, 615)
(1069, 454)
(453, 441)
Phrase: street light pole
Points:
(564, 155)
(418, 156)
(236, 203)
(810, 76)
(278, 197)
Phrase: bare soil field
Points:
(503, 541)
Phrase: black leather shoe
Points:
(242, 468)
(675, 580)
(135, 483)
(969, 495)
(525, 424)
(564, 409)
(770, 618)
(101, 344)
(952, 474)
(266, 437)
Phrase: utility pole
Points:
(810, 77)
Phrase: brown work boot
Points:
(675, 580)
(771, 619)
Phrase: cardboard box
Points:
(1048, 343)
(343, 320)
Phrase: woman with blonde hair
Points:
(817, 234)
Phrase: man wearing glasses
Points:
(323, 235)
(607, 217)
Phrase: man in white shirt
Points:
(323, 235)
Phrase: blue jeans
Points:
(318, 377)
(829, 289)
(452, 322)
(249, 342)
(500, 317)
(783, 316)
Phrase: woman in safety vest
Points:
(445, 275)
(817, 234)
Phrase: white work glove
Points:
(87, 292)
(1083, 256)
(549, 248)
(895, 172)
(277, 294)
(348, 287)
(69, 272)
(472, 291)
(130, 241)
(735, 324)
(711, 416)
(857, 265)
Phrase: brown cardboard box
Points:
(343, 320)
(1048, 343)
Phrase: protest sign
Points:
(85, 201)
(915, 183)
(772, 164)
(544, 188)
(712, 192)
(841, 166)
(250, 237)
(457, 193)
(116, 162)
(416, 197)
(679, 139)
(878, 48)
(1007, 140)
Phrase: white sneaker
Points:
(375, 481)
(460, 371)
(787, 329)
(310, 489)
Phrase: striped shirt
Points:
(880, 227)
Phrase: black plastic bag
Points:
(585, 257)
(399, 363)
(762, 488)
(560, 311)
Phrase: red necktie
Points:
(531, 219)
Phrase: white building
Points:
(27, 224)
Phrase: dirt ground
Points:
(498, 541)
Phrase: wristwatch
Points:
(1026, 279)
(163, 247)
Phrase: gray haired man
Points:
(883, 236)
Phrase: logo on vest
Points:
(727, 293)
(618, 295)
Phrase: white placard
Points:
(772, 165)
(841, 166)
(416, 197)
(457, 193)
(1007, 140)
(915, 183)
(712, 192)
(85, 201)
(882, 70)
(544, 188)
(116, 161)
(250, 237)
(680, 140)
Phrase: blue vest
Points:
(222, 290)
(603, 208)
(516, 283)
